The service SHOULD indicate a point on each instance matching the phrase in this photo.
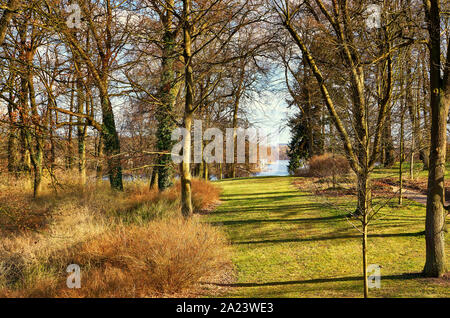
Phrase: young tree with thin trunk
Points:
(341, 25)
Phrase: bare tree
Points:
(342, 23)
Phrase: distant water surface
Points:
(278, 169)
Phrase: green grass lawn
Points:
(288, 243)
(382, 172)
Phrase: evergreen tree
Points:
(299, 143)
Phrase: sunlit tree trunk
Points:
(402, 158)
(186, 194)
(205, 170)
(36, 148)
(435, 265)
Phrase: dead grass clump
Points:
(141, 204)
(158, 208)
(18, 211)
(204, 194)
(24, 256)
(161, 258)
(22, 217)
(129, 244)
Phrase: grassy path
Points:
(292, 244)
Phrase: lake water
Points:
(279, 169)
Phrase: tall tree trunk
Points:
(110, 136)
(25, 160)
(220, 171)
(402, 157)
(34, 129)
(205, 170)
(13, 151)
(168, 93)
(109, 132)
(200, 167)
(99, 153)
(365, 252)
(411, 158)
(13, 142)
(82, 156)
(186, 195)
(39, 134)
(52, 159)
(235, 117)
(69, 154)
(364, 206)
(389, 158)
(37, 168)
(435, 265)
(111, 144)
(308, 112)
(81, 127)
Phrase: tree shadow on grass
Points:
(263, 193)
(326, 238)
(298, 220)
(297, 208)
(322, 280)
(264, 197)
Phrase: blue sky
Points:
(270, 112)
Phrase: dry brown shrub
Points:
(161, 258)
(204, 194)
(152, 254)
(328, 165)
